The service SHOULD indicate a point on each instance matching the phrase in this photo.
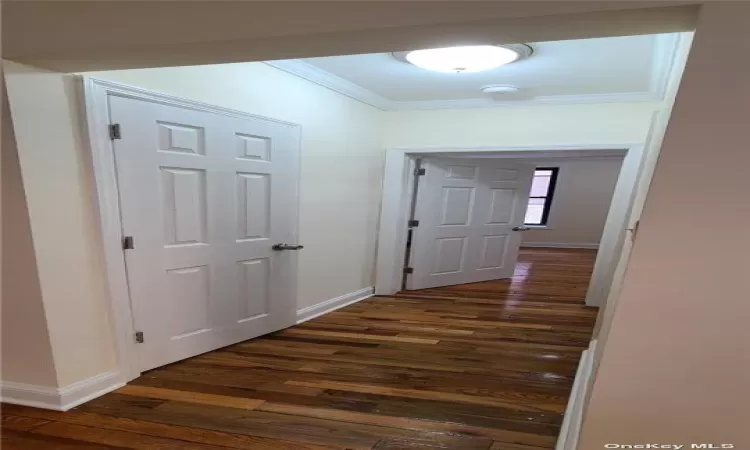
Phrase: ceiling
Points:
(80, 36)
(615, 69)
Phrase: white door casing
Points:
(205, 196)
(467, 209)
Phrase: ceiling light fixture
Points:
(499, 89)
(464, 59)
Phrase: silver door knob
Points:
(280, 247)
(521, 228)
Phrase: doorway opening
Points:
(580, 198)
(471, 217)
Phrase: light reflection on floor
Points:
(522, 271)
(550, 273)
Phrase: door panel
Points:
(501, 206)
(457, 205)
(493, 252)
(253, 200)
(466, 212)
(205, 196)
(450, 255)
(254, 292)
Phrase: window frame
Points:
(548, 198)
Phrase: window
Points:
(542, 189)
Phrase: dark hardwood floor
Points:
(480, 366)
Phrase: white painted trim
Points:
(127, 91)
(60, 399)
(614, 231)
(665, 54)
(326, 79)
(96, 111)
(593, 245)
(544, 157)
(665, 47)
(318, 309)
(573, 417)
(30, 395)
(624, 97)
(95, 98)
(398, 182)
(89, 389)
(529, 151)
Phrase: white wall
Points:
(580, 203)
(675, 367)
(26, 349)
(341, 166)
(605, 123)
(63, 221)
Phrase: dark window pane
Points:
(541, 187)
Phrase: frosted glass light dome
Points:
(472, 58)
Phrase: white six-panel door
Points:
(467, 210)
(205, 196)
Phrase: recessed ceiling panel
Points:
(562, 68)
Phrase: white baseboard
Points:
(30, 395)
(60, 399)
(321, 308)
(573, 418)
(561, 244)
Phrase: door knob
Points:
(280, 247)
(521, 228)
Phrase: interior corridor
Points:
(480, 366)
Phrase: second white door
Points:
(204, 196)
(467, 212)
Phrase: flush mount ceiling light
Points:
(463, 59)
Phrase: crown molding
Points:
(625, 97)
(664, 57)
(663, 62)
(331, 81)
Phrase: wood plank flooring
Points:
(480, 366)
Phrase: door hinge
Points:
(115, 132)
(408, 270)
(127, 243)
(413, 223)
(419, 172)
(139, 337)
(634, 230)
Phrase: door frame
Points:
(398, 186)
(94, 97)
